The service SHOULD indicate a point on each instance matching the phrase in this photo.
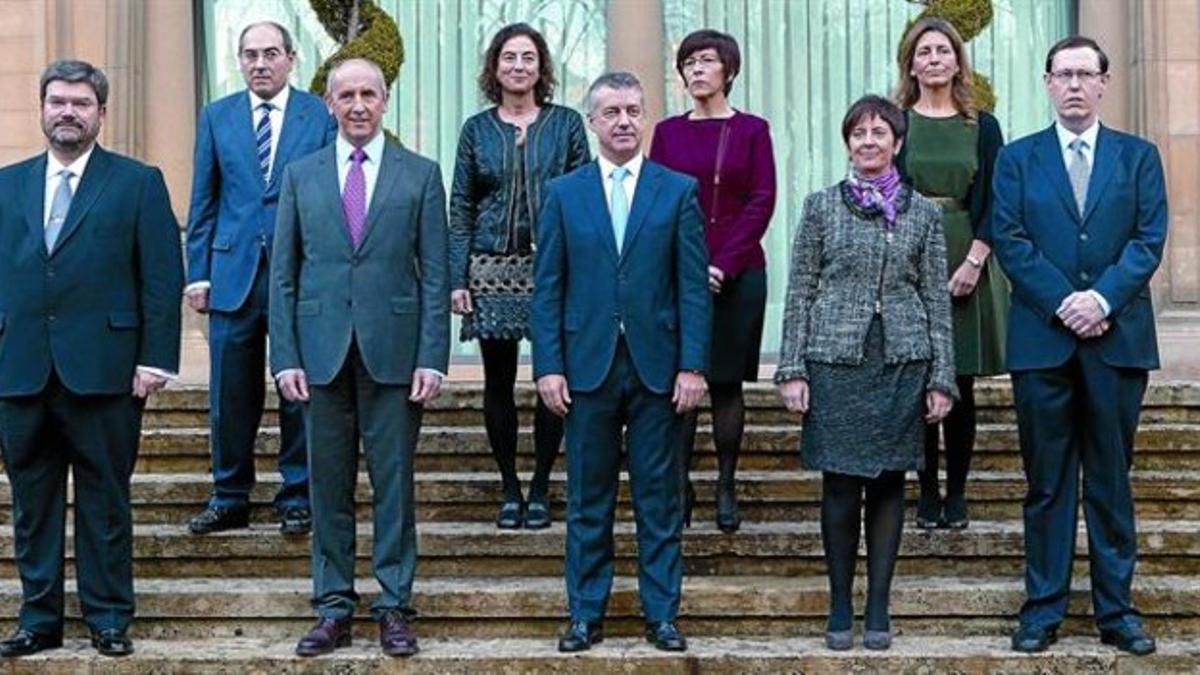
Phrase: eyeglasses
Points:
(1085, 76)
(706, 60)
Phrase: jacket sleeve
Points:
(752, 222)
(160, 271)
(578, 152)
(1121, 282)
(205, 201)
(936, 298)
(979, 199)
(433, 349)
(803, 278)
(691, 280)
(285, 275)
(1035, 280)
(549, 280)
(464, 208)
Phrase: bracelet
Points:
(975, 262)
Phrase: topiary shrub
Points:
(364, 31)
(969, 18)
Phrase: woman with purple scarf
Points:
(866, 356)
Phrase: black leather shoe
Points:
(537, 516)
(326, 636)
(511, 515)
(112, 642)
(1132, 640)
(666, 636)
(580, 636)
(929, 512)
(213, 519)
(728, 520)
(954, 513)
(1031, 639)
(25, 642)
(295, 520)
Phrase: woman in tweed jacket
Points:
(866, 355)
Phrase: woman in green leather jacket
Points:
(506, 154)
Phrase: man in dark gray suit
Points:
(360, 330)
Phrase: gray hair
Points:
(283, 33)
(71, 71)
(333, 71)
(617, 79)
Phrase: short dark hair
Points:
(724, 44)
(283, 33)
(489, 84)
(874, 106)
(1075, 42)
(71, 71)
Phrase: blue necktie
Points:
(619, 208)
(262, 138)
(59, 206)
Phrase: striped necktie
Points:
(262, 139)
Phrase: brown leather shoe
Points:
(396, 635)
(326, 636)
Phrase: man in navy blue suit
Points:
(90, 280)
(621, 323)
(243, 142)
(1080, 219)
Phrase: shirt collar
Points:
(1065, 135)
(280, 100)
(634, 166)
(54, 167)
(373, 148)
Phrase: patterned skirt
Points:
(501, 286)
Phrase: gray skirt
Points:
(868, 418)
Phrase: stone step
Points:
(278, 608)
(1160, 446)
(765, 495)
(807, 654)
(987, 548)
(461, 404)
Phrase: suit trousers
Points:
(237, 390)
(350, 409)
(1082, 413)
(594, 437)
(96, 436)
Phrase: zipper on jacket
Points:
(887, 239)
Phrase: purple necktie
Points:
(354, 197)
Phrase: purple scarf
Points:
(879, 192)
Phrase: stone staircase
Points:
(493, 601)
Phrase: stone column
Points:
(635, 43)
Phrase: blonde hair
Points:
(962, 88)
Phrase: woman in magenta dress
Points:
(729, 153)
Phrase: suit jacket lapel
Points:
(327, 177)
(294, 119)
(643, 199)
(91, 184)
(1105, 159)
(242, 127)
(1048, 156)
(385, 185)
(35, 202)
(596, 205)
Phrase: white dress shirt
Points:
(1065, 138)
(631, 178)
(279, 104)
(53, 178)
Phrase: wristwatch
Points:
(975, 262)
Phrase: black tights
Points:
(959, 429)
(841, 513)
(500, 419)
(729, 422)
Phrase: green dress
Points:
(942, 161)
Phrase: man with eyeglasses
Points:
(621, 318)
(243, 142)
(1079, 221)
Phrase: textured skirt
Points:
(868, 418)
(501, 287)
(737, 326)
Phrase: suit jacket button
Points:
(51, 317)
(1083, 236)
(1084, 275)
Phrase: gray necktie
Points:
(59, 206)
(1079, 171)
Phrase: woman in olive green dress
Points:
(948, 156)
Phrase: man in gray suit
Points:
(359, 319)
